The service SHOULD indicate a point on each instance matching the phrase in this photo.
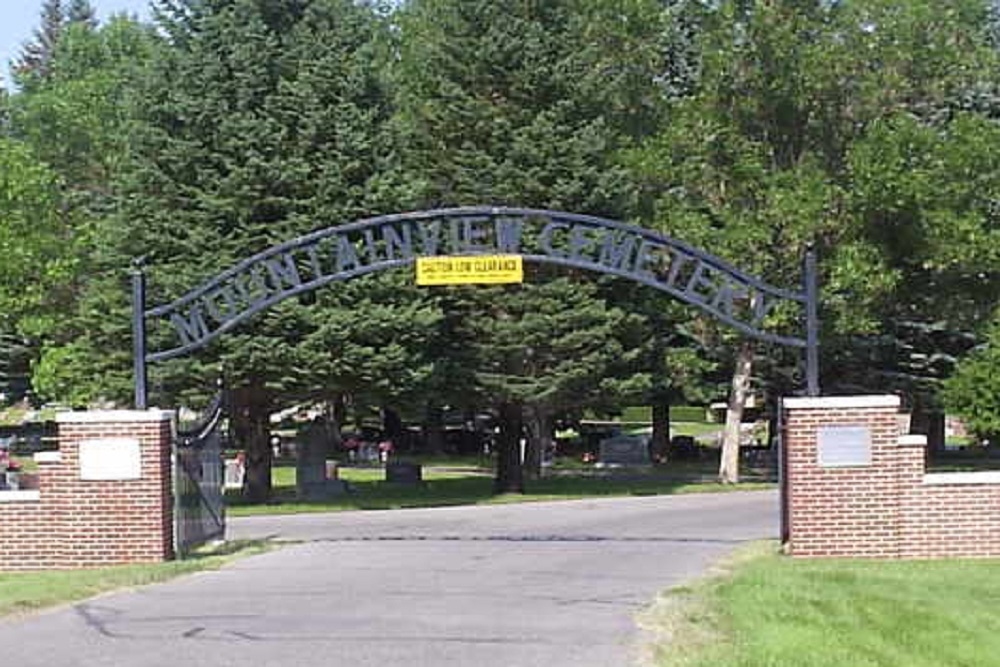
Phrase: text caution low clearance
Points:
(471, 270)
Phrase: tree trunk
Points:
(660, 441)
(509, 477)
(539, 442)
(729, 462)
(336, 413)
(251, 416)
(392, 426)
(433, 430)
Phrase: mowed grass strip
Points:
(773, 611)
(22, 592)
(465, 486)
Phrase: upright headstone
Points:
(235, 474)
(311, 480)
(624, 450)
(403, 472)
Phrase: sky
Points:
(19, 18)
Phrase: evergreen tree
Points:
(260, 122)
(517, 103)
(81, 12)
(34, 63)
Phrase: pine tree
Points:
(35, 61)
(82, 13)
(261, 122)
(524, 104)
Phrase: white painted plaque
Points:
(110, 459)
(843, 446)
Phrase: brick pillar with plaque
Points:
(109, 492)
(845, 469)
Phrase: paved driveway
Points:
(547, 584)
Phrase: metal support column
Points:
(812, 323)
(783, 473)
(139, 333)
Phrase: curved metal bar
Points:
(267, 303)
(788, 341)
(195, 435)
(313, 237)
(568, 239)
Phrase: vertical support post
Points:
(783, 473)
(812, 323)
(139, 333)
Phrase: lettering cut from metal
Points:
(484, 245)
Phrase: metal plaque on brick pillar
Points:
(110, 459)
(843, 446)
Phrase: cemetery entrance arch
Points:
(390, 241)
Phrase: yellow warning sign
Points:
(471, 270)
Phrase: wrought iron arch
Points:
(389, 241)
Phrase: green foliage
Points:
(749, 129)
(788, 137)
(526, 104)
(38, 242)
(76, 121)
(973, 391)
(76, 118)
(506, 102)
(15, 358)
(377, 336)
(81, 12)
(254, 123)
(36, 56)
(556, 346)
(926, 195)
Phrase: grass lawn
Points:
(470, 485)
(774, 611)
(28, 591)
(694, 429)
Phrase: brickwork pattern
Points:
(76, 523)
(888, 509)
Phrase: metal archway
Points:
(374, 244)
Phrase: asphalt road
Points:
(546, 584)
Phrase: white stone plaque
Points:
(110, 459)
(843, 446)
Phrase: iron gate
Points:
(199, 507)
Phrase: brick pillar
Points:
(845, 475)
(110, 500)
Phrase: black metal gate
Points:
(199, 507)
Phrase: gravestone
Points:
(235, 474)
(403, 472)
(624, 450)
(311, 481)
(368, 453)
